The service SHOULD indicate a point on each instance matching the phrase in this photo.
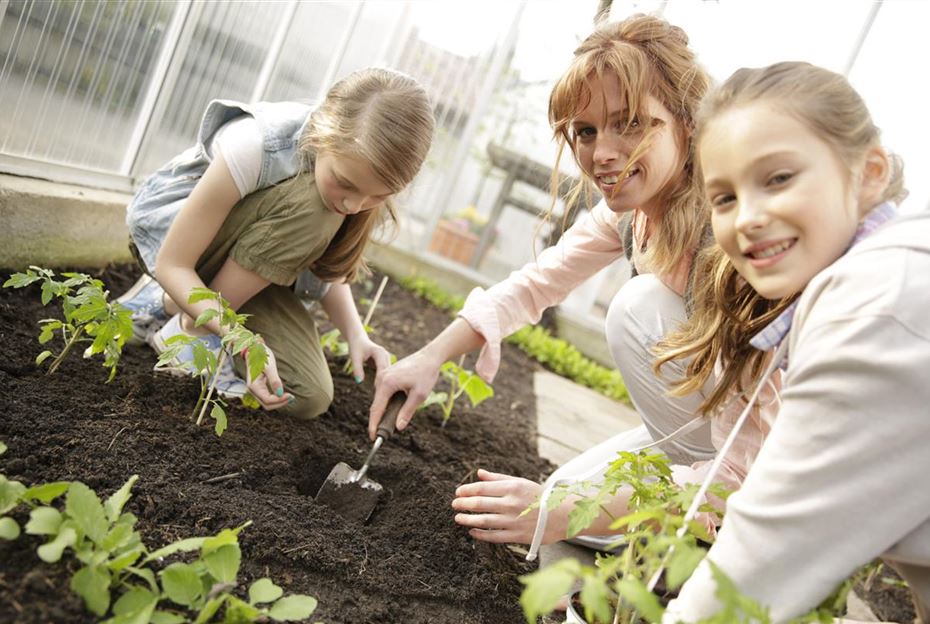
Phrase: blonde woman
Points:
(625, 111)
(273, 194)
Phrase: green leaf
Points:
(224, 537)
(682, 563)
(292, 608)
(209, 610)
(582, 515)
(123, 561)
(116, 502)
(264, 590)
(223, 563)
(182, 584)
(46, 492)
(11, 493)
(85, 508)
(250, 401)
(546, 587)
(120, 536)
(19, 280)
(136, 606)
(219, 416)
(146, 575)
(44, 521)
(644, 601)
(477, 390)
(433, 399)
(166, 617)
(43, 356)
(3, 448)
(200, 293)
(238, 612)
(51, 552)
(596, 598)
(9, 529)
(206, 316)
(257, 357)
(93, 585)
(184, 545)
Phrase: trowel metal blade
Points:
(354, 500)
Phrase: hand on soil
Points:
(416, 375)
(267, 387)
(495, 503)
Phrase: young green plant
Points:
(88, 316)
(205, 363)
(116, 570)
(460, 381)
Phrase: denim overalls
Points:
(158, 200)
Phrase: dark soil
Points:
(409, 563)
(888, 598)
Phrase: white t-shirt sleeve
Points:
(240, 143)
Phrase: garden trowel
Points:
(349, 492)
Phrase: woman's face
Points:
(783, 205)
(603, 146)
(348, 185)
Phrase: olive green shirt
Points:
(276, 232)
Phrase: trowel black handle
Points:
(386, 428)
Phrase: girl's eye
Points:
(722, 200)
(779, 178)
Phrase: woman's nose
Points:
(751, 214)
(606, 149)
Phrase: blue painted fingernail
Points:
(358, 380)
(279, 392)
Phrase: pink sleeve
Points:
(585, 248)
(745, 447)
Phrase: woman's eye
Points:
(718, 201)
(585, 133)
(634, 123)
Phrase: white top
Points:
(842, 476)
(240, 143)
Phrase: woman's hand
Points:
(496, 503)
(362, 349)
(416, 375)
(267, 387)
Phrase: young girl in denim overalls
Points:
(273, 195)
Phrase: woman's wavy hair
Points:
(384, 118)
(728, 312)
(649, 56)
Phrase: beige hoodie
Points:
(842, 477)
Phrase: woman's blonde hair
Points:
(385, 119)
(650, 57)
(728, 312)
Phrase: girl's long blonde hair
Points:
(385, 119)
(650, 57)
(728, 312)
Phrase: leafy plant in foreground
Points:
(117, 570)
(461, 381)
(619, 588)
(88, 316)
(205, 363)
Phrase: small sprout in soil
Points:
(205, 363)
(88, 316)
(460, 381)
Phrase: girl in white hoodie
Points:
(810, 253)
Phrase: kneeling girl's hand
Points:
(361, 349)
(267, 387)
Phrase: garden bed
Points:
(410, 563)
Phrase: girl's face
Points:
(347, 184)
(603, 146)
(783, 205)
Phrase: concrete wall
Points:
(60, 225)
(64, 226)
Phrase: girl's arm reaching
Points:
(192, 231)
(340, 308)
